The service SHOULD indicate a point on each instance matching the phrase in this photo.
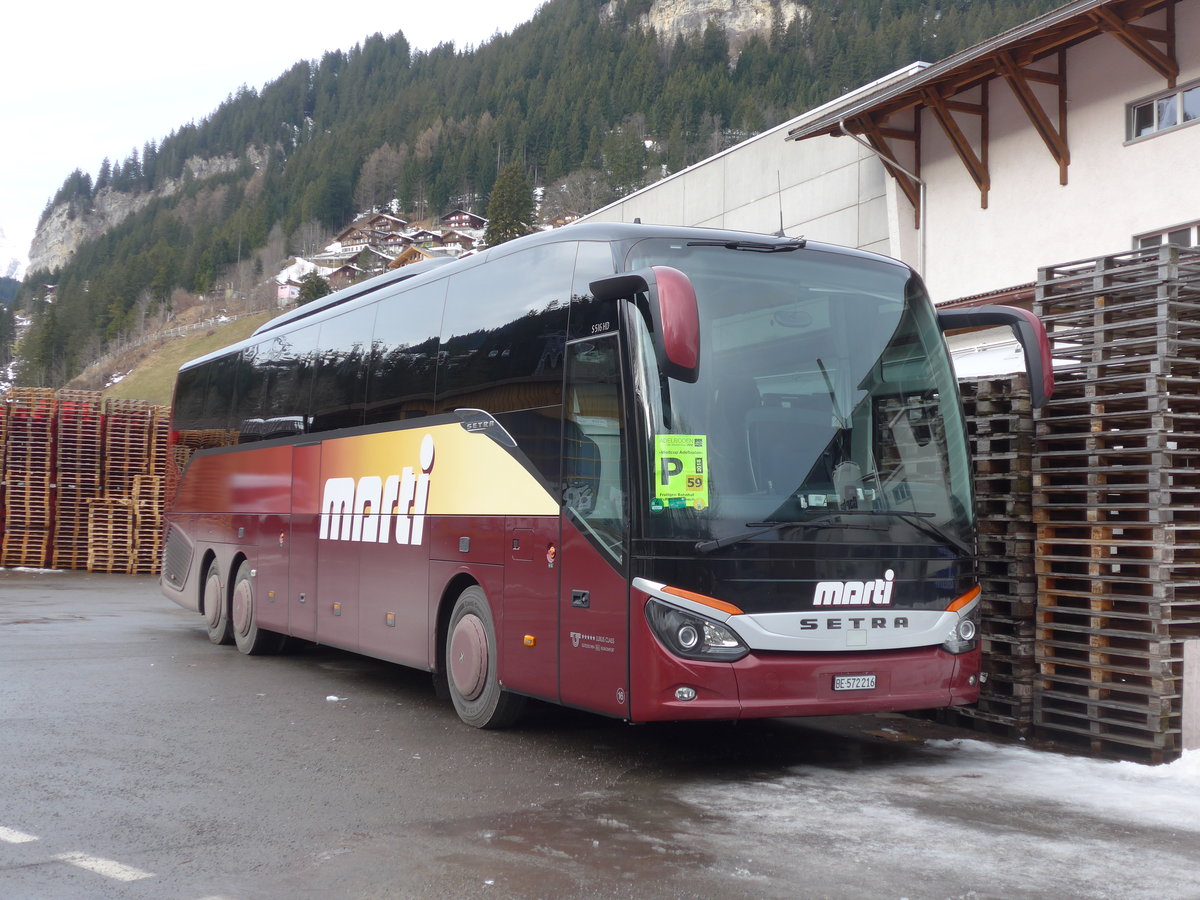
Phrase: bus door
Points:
(302, 555)
(594, 596)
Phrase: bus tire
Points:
(250, 639)
(216, 607)
(471, 668)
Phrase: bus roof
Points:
(429, 270)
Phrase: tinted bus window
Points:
(504, 332)
(404, 354)
(589, 317)
(188, 406)
(284, 369)
(247, 415)
(339, 388)
(220, 394)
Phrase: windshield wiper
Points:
(759, 528)
(759, 247)
(919, 521)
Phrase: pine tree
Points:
(510, 210)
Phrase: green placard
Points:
(680, 471)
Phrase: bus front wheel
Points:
(216, 607)
(250, 639)
(471, 665)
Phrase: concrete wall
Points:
(828, 189)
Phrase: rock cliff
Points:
(61, 234)
(740, 18)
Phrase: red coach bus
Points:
(656, 473)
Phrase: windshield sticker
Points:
(681, 472)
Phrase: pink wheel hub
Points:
(469, 657)
(212, 602)
(242, 607)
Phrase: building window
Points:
(1180, 236)
(1164, 112)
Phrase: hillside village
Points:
(377, 242)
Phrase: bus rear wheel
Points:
(250, 639)
(471, 670)
(216, 607)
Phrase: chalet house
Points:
(394, 241)
(382, 222)
(287, 292)
(458, 240)
(343, 276)
(352, 239)
(460, 218)
(425, 239)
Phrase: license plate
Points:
(854, 682)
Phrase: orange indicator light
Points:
(530, 640)
(965, 599)
(705, 600)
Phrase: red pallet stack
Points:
(28, 477)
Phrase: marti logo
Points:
(855, 593)
(364, 509)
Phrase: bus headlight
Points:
(962, 637)
(691, 636)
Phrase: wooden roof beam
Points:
(1161, 61)
(877, 135)
(976, 166)
(1054, 137)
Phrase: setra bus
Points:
(656, 473)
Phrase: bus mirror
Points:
(1029, 332)
(674, 314)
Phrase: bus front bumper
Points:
(775, 685)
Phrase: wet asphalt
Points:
(141, 761)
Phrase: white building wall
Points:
(1116, 189)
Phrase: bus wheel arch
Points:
(214, 601)
(469, 666)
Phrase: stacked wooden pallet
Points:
(110, 535)
(127, 428)
(1000, 426)
(28, 477)
(147, 525)
(82, 481)
(1117, 500)
(78, 474)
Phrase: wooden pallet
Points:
(1116, 494)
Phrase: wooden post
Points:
(1191, 695)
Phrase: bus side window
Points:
(592, 317)
(404, 350)
(339, 389)
(504, 332)
(593, 443)
(220, 394)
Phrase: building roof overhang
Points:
(1018, 47)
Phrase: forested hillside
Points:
(571, 93)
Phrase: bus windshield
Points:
(826, 400)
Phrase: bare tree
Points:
(380, 173)
(579, 193)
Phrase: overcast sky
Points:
(81, 82)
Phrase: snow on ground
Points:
(965, 818)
